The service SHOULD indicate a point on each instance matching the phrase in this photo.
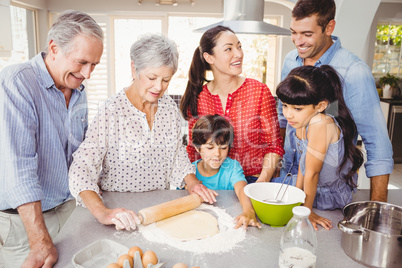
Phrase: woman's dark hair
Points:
(324, 9)
(310, 85)
(197, 72)
(214, 127)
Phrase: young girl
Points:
(329, 159)
(212, 135)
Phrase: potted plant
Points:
(389, 82)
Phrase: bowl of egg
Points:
(135, 258)
(110, 254)
(272, 213)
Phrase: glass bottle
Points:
(298, 243)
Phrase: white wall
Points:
(41, 4)
(123, 6)
(353, 23)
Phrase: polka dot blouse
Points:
(252, 112)
(120, 152)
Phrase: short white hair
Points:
(154, 50)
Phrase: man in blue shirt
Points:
(311, 29)
(43, 113)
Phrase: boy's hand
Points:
(246, 219)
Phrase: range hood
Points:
(246, 16)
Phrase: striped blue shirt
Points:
(38, 135)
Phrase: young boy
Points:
(212, 136)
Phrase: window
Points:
(23, 28)
(181, 30)
(260, 56)
(97, 86)
(387, 51)
(259, 50)
(126, 32)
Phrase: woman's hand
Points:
(122, 218)
(315, 219)
(206, 194)
(196, 186)
(245, 219)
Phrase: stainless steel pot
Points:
(372, 233)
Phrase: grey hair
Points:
(70, 24)
(154, 50)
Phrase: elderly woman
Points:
(134, 143)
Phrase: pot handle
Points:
(350, 228)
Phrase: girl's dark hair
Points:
(309, 85)
(214, 127)
(197, 72)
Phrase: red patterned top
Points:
(252, 112)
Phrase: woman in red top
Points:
(246, 103)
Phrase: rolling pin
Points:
(169, 209)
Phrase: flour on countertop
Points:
(226, 240)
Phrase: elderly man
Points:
(43, 113)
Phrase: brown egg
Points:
(149, 257)
(133, 250)
(180, 265)
(120, 260)
(113, 265)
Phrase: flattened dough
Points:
(191, 225)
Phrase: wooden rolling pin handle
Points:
(169, 209)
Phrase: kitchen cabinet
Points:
(392, 110)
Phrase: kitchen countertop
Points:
(260, 248)
(394, 101)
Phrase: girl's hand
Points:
(315, 219)
(246, 219)
(122, 218)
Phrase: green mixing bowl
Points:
(274, 214)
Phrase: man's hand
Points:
(379, 188)
(43, 253)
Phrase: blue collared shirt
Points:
(38, 135)
(361, 97)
